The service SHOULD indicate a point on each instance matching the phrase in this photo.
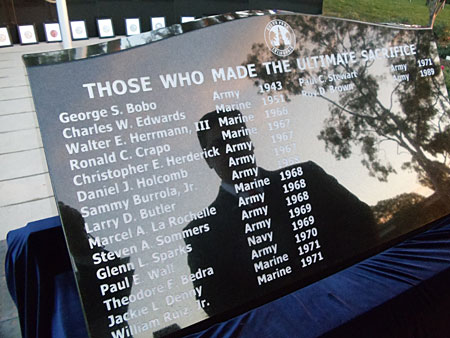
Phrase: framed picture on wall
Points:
(52, 32)
(158, 22)
(27, 34)
(5, 37)
(105, 28)
(187, 18)
(78, 29)
(132, 26)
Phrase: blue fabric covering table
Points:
(401, 292)
(41, 281)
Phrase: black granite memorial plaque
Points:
(214, 166)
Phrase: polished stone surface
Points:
(25, 191)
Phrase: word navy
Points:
(258, 239)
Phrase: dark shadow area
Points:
(259, 241)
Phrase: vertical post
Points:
(63, 18)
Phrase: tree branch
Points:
(345, 109)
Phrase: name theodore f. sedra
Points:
(271, 228)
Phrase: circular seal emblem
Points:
(280, 37)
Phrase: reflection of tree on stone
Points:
(247, 248)
(384, 210)
(360, 117)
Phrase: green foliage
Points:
(446, 72)
(442, 32)
(385, 210)
(414, 12)
(444, 51)
(361, 119)
(397, 214)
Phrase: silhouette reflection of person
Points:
(100, 321)
(255, 243)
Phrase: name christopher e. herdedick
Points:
(252, 247)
